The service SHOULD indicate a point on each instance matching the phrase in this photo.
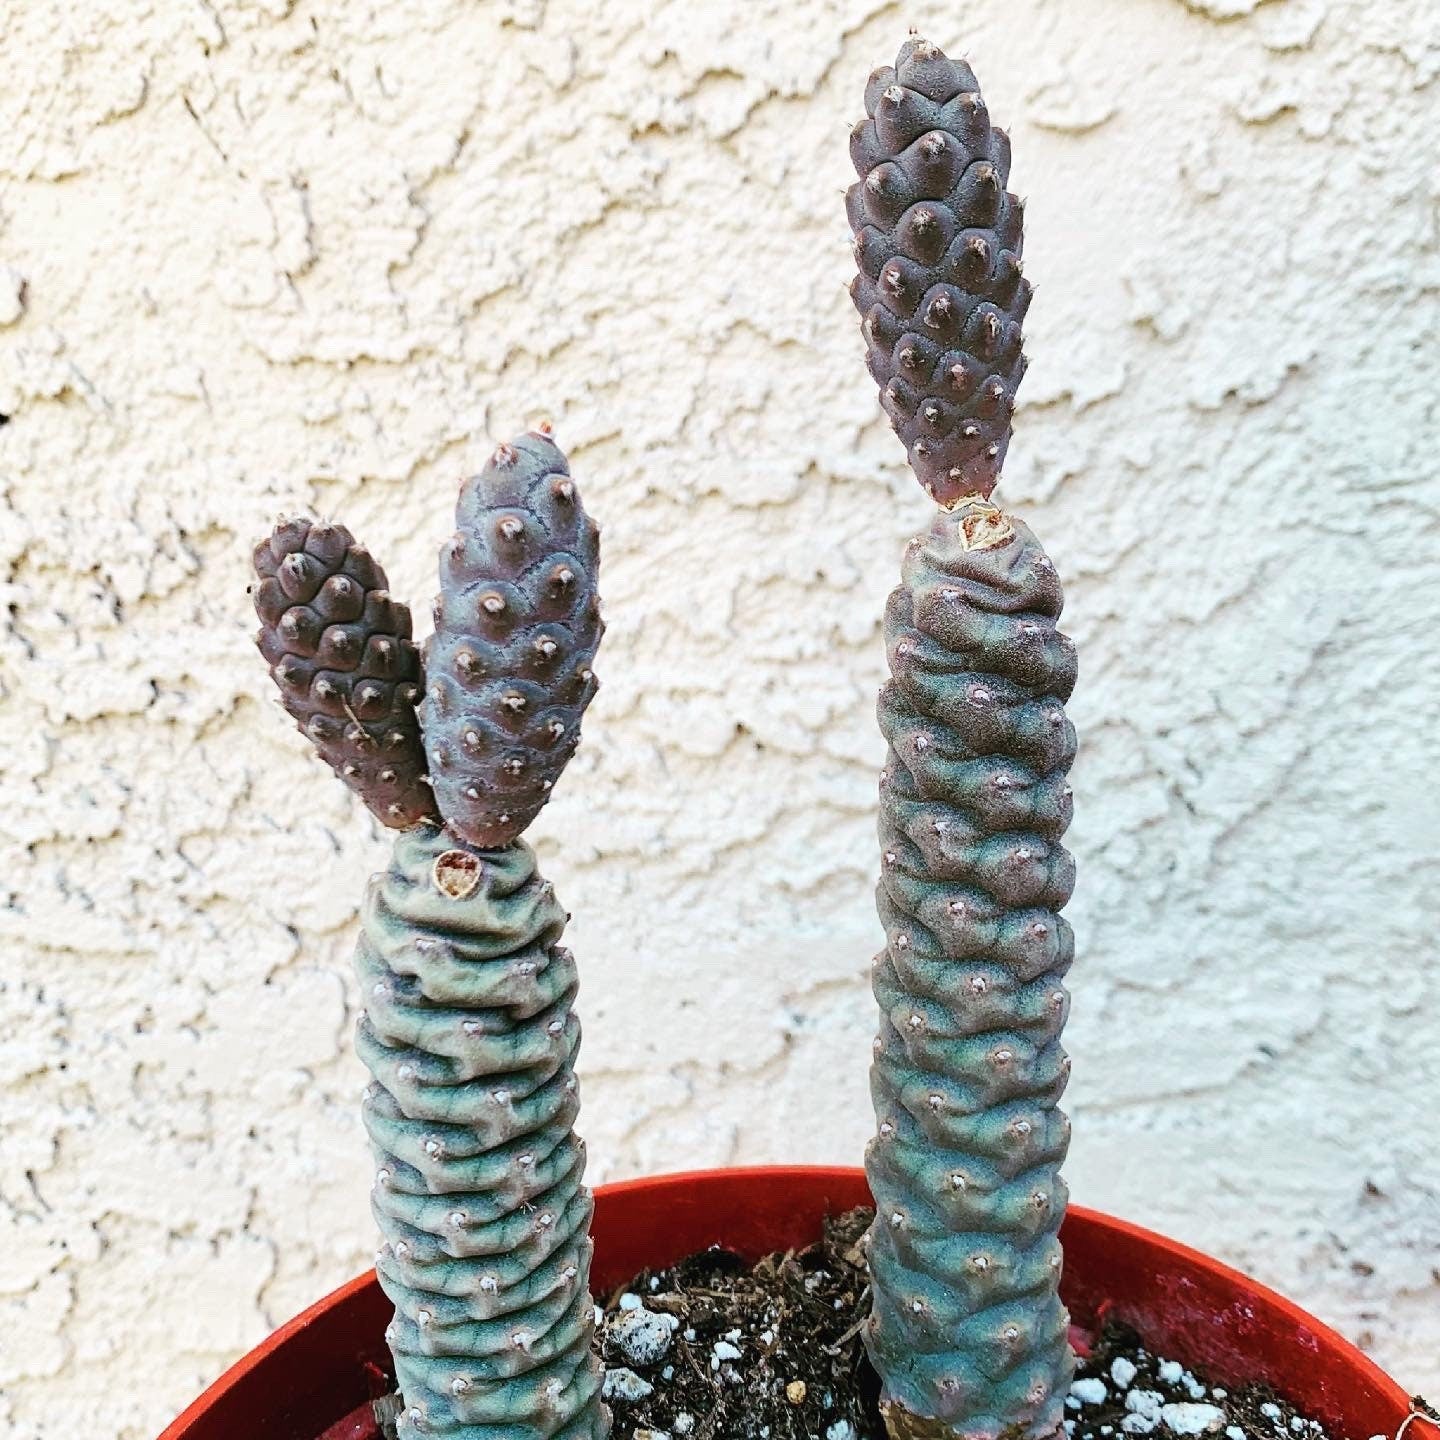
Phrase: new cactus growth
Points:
(967, 1330)
(340, 650)
(468, 1027)
(516, 627)
(937, 242)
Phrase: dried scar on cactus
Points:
(981, 526)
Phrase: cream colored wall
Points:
(267, 254)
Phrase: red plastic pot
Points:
(313, 1378)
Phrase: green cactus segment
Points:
(516, 628)
(339, 648)
(940, 289)
(469, 1033)
(967, 1332)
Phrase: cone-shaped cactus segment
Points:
(939, 289)
(967, 1331)
(340, 650)
(517, 623)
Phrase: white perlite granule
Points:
(1191, 1419)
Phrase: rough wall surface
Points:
(260, 253)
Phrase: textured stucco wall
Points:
(261, 253)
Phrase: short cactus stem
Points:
(937, 241)
(339, 648)
(970, 1337)
(469, 1033)
(516, 627)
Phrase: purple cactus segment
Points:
(938, 249)
(967, 1331)
(340, 651)
(517, 624)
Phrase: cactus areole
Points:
(967, 1330)
(468, 1027)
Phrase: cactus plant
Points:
(967, 1330)
(468, 1027)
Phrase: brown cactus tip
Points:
(543, 428)
(456, 874)
(504, 455)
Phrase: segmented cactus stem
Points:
(468, 1026)
(967, 1332)
(339, 649)
(938, 242)
(509, 668)
(470, 1035)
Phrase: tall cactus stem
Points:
(967, 1331)
(470, 1035)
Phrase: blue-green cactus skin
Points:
(967, 1331)
(470, 1035)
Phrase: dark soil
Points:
(1250, 1412)
(769, 1353)
(796, 1318)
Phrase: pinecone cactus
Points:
(967, 1329)
(339, 648)
(516, 627)
(938, 242)
(468, 1028)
